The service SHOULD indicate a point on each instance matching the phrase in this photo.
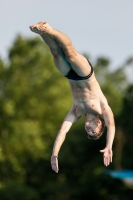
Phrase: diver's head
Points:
(94, 127)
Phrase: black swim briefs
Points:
(73, 76)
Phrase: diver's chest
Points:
(92, 107)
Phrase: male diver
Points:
(88, 99)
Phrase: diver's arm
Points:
(65, 127)
(110, 124)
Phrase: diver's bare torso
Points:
(87, 97)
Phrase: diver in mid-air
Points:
(88, 99)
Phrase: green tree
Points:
(34, 98)
(30, 107)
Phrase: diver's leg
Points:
(78, 62)
(59, 58)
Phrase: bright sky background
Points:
(96, 27)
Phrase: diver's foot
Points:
(41, 28)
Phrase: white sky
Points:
(96, 27)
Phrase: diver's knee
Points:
(71, 55)
(54, 52)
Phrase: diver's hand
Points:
(54, 163)
(107, 156)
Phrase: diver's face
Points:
(92, 127)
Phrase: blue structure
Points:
(125, 175)
(121, 174)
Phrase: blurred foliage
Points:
(34, 99)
